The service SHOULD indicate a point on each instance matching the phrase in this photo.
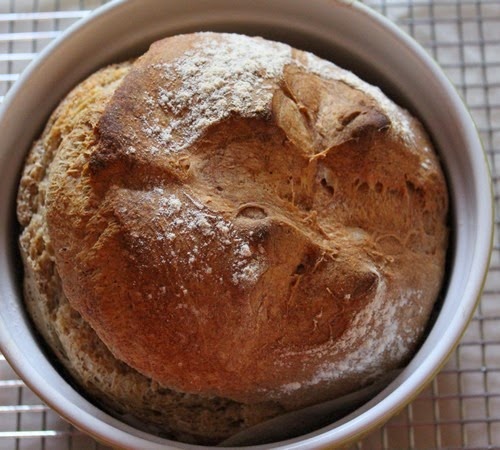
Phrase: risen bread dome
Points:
(227, 228)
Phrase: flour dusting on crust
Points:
(237, 76)
(188, 217)
(216, 80)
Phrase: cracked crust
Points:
(319, 224)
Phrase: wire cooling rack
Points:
(461, 407)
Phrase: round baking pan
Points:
(345, 32)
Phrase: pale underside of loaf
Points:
(207, 258)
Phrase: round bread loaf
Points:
(228, 228)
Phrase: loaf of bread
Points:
(226, 229)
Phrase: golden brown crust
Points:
(286, 245)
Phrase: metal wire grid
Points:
(461, 407)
